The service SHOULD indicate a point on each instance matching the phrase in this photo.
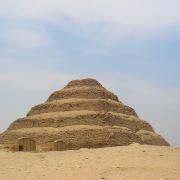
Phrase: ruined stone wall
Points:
(85, 104)
(89, 137)
(99, 119)
(83, 92)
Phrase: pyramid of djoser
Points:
(82, 115)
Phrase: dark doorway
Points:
(20, 148)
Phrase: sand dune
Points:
(134, 162)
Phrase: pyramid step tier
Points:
(76, 137)
(83, 82)
(83, 92)
(82, 104)
(69, 118)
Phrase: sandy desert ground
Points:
(141, 162)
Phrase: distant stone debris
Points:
(81, 115)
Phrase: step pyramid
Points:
(83, 115)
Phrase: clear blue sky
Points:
(131, 47)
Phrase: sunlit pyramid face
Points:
(82, 114)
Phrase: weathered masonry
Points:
(83, 114)
(25, 144)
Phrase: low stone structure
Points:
(25, 144)
(82, 115)
(60, 146)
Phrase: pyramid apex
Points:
(83, 82)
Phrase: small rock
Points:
(116, 167)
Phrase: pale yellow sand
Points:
(134, 162)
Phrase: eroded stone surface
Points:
(83, 114)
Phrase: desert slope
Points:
(134, 162)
